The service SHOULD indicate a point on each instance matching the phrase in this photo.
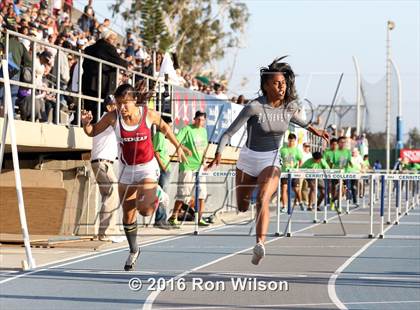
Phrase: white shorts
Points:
(186, 186)
(133, 174)
(252, 162)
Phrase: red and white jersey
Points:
(136, 146)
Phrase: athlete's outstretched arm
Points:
(167, 131)
(319, 132)
(95, 129)
(296, 119)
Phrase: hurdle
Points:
(277, 233)
(381, 234)
(348, 197)
(389, 183)
(196, 201)
(325, 221)
(397, 202)
(407, 188)
(315, 220)
(289, 204)
(371, 203)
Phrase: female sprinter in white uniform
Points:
(267, 119)
(139, 170)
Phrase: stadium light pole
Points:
(390, 27)
(399, 112)
(358, 96)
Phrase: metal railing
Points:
(35, 44)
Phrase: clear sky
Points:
(321, 37)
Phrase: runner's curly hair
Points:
(279, 67)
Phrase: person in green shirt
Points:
(194, 138)
(291, 158)
(329, 154)
(160, 146)
(341, 159)
(355, 166)
(415, 167)
(316, 162)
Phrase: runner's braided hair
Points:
(279, 67)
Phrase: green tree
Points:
(413, 139)
(200, 31)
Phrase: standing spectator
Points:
(366, 163)
(68, 7)
(57, 6)
(363, 145)
(160, 145)
(103, 49)
(329, 154)
(306, 154)
(315, 162)
(291, 158)
(356, 166)
(86, 22)
(341, 160)
(194, 139)
(103, 155)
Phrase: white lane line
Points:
(331, 282)
(262, 275)
(152, 297)
(291, 305)
(83, 257)
(416, 279)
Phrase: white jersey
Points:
(104, 145)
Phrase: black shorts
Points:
(295, 182)
(311, 182)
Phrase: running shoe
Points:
(302, 207)
(259, 253)
(203, 223)
(173, 222)
(131, 260)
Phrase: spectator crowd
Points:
(57, 26)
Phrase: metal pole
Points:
(348, 198)
(371, 207)
(390, 26)
(325, 201)
(407, 188)
(289, 204)
(358, 95)
(79, 90)
(381, 235)
(33, 90)
(316, 202)
(57, 97)
(389, 201)
(278, 209)
(197, 186)
(397, 203)
(30, 264)
(340, 193)
(98, 103)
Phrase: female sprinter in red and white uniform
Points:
(139, 170)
